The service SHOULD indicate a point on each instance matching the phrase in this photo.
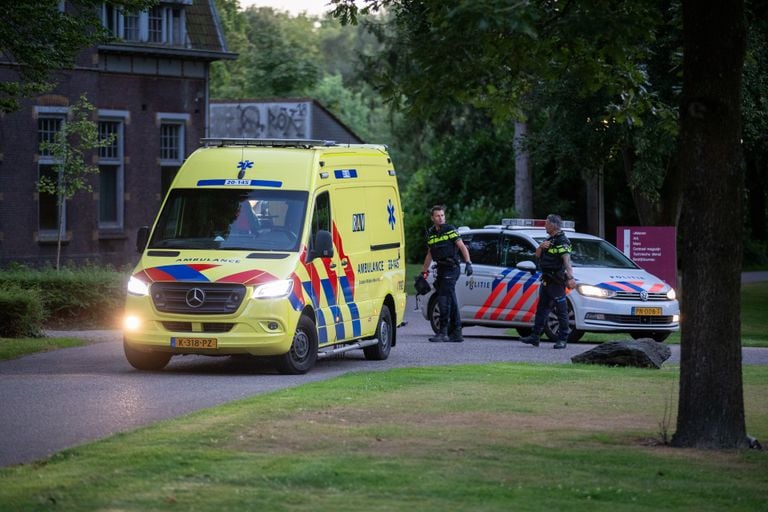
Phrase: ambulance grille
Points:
(652, 297)
(197, 298)
(639, 320)
(206, 327)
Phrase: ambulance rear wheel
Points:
(146, 361)
(433, 313)
(384, 333)
(552, 326)
(303, 352)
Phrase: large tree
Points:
(711, 405)
(38, 38)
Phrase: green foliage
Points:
(42, 39)
(86, 296)
(21, 311)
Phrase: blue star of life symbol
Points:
(243, 165)
(391, 210)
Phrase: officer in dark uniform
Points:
(554, 255)
(443, 246)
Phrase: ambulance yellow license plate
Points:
(194, 342)
(646, 311)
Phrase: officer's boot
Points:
(531, 339)
(456, 336)
(560, 344)
(441, 336)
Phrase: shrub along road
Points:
(58, 399)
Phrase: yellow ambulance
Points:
(288, 249)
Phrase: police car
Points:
(613, 294)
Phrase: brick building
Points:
(150, 90)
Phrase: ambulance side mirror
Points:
(142, 237)
(527, 266)
(323, 246)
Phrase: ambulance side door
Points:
(322, 286)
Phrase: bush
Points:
(21, 312)
(87, 296)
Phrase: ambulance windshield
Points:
(231, 219)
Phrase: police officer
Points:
(554, 255)
(443, 244)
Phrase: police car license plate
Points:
(646, 311)
(194, 342)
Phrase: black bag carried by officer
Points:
(421, 285)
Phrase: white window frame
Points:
(166, 30)
(120, 117)
(180, 120)
(59, 113)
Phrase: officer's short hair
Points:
(437, 207)
(555, 220)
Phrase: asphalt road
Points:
(59, 399)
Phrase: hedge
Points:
(21, 312)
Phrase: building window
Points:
(111, 169)
(171, 143)
(159, 25)
(47, 127)
(49, 122)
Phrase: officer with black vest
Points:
(554, 255)
(443, 246)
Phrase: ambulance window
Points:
(515, 249)
(483, 248)
(321, 216)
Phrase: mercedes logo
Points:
(195, 297)
(643, 295)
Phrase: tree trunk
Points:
(523, 172)
(711, 402)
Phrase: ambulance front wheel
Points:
(385, 332)
(146, 361)
(302, 355)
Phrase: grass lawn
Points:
(16, 347)
(477, 437)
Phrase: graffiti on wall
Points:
(261, 120)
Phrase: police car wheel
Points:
(146, 361)
(384, 333)
(552, 326)
(658, 336)
(433, 312)
(303, 352)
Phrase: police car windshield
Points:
(588, 252)
(231, 219)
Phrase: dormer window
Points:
(164, 24)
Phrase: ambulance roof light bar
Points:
(305, 143)
(533, 223)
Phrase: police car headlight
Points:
(671, 295)
(137, 287)
(594, 291)
(273, 290)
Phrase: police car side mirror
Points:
(323, 246)
(527, 266)
(142, 237)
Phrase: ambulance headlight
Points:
(595, 291)
(273, 290)
(137, 287)
(671, 295)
